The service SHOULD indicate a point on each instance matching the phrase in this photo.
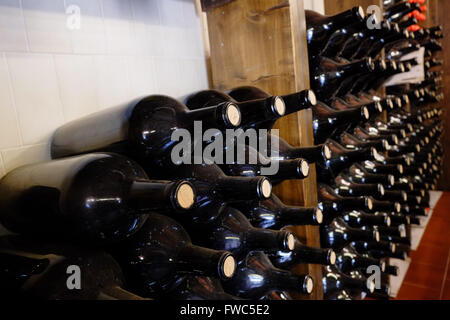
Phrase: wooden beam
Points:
(212, 4)
(262, 43)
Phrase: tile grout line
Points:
(25, 26)
(445, 276)
(412, 284)
(12, 92)
(61, 53)
(58, 80)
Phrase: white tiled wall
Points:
(315, 5)
(51, 74)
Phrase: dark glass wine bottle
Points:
(359, 45)
(329, 198)
(335, 281)
(40, 270)
(338, 39)
(255, 164)
(156, 258)
(365, 135)
(386, 206)
(351, 142)
(214, 189)
(330, 76)
(396, 8)
(342, 158)
(256, 277)
(233, 232)
(356, 219)
(383, 293)
(277, 296)
(274, 214)
(348, 259)
(338, 235)
(92, 198)
(328, 122)
(256, 113)
(302, 254)
(320, 27)
(373, 167)
(142, 129)
(346, 188)
(359, 294)
(198, 288)
(285, 151)
(377, 250)
(359, 174)
(294, 102)
(340, 295)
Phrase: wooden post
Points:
(262, 43)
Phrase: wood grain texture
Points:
(263, 43)
(432, 14)
(212, 4)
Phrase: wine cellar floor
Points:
(428, 276)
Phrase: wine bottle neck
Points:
(305, 254)
(269, 240)
(351, 283)
(291, 169)
(311, 154)
(362, 66)
(208, 262)
(153, 196)
(360, 235)
(345, 18)
(290, 215)
(226, 115)
(244, 188)
(285, 280)
(261, 110)
(299, 101)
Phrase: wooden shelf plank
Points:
(263, 43)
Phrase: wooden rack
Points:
(263, 43)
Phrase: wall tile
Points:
(171, 13)
(189, 80)
(14, 158)
(78, 85)
(46, 24)
(12, 28)
(142, 76)
(202, 73)
(193, 38)
(173, 28)
(9, 127)
(124, 49)
(37, 95)
(113, 85)
(90, 38)
(148, 33)
(119, 27)
(168, 76)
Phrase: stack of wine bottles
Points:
(384, 142)
(116, 198)
(134, 207)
